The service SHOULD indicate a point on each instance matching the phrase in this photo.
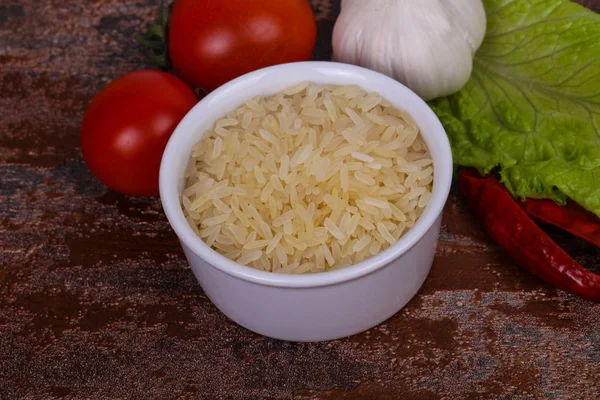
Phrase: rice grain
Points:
(311, 179)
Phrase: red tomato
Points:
(213, 41)
(127, 126)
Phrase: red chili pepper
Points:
(571, 217)
(505, 221)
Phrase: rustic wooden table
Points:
(97, 301)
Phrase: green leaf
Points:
(532, 105)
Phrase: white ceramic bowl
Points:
(311, 307)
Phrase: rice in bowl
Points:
(314, 178)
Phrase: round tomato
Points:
(127, 126)
(214, 41)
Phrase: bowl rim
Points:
(170, 196)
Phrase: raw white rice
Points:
(311, 179)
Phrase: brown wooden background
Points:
(97, 301)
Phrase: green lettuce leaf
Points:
(531, 109)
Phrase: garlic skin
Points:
(428, 45)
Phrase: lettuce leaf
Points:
(531, 109)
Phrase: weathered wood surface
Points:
(97, 301)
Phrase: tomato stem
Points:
(155, 39)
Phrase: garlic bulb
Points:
(426, 44)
